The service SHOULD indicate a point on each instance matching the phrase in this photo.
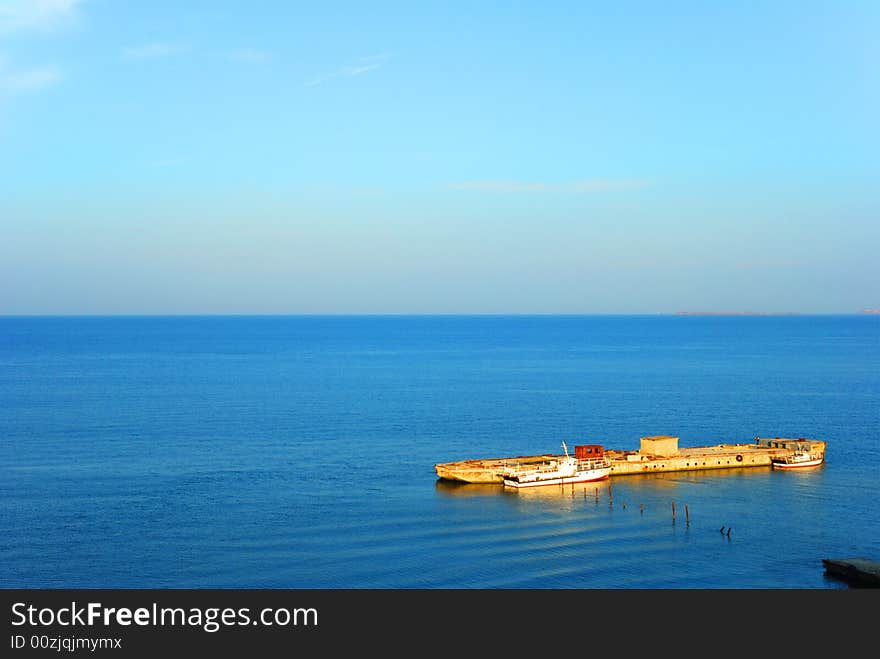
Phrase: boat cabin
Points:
(589, 451)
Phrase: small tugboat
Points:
(797, 460)
(589, 463)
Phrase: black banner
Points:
(124, 623)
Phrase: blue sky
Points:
(438, 157)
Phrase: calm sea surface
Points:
(299, 452)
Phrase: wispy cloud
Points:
(585, 185)
(248, 55)
(156, 50)
(30, 80)
(36, 15)
(362, 65)
(29, 16)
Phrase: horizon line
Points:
(864, 312)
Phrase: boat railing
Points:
(543, 467)
(594, 463)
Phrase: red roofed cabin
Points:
(589, 451)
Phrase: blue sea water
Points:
(299, 452)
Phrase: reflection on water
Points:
(648, 483)
(461, 489)
(746, 498)
(580, 491)
(664, 482)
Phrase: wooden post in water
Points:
(673, 511)
(610, 497)
(687, 516)
(641, 509)
(597, 495)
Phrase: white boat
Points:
(798, 460)
(588, 464)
